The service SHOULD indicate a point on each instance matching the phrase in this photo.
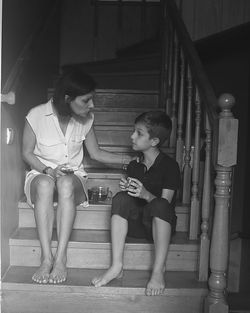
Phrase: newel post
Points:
(226, 158)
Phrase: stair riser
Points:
(100, 258)
(29, 301)
(114, 137)
(126, 100)
(116, 118)
(131, 81)
(90, 219)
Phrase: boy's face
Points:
(141, 139)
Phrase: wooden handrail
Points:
(205, 89)
(13, 79)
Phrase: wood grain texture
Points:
(183, 294)
(92, 249)
(95, 217)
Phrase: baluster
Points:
(187, 157)
(195, 202)
(175, 92)
(227, 152)
(179, 141)
(206, 202)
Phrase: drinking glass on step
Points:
(99, 194)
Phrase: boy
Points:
(145, 205)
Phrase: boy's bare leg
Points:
(68, 187)
(161, 236)
(42, 189)
(119, 229)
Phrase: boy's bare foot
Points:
(41, 276)
(59, 273)
(112, 273)
(156, 284)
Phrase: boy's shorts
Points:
(140, 213)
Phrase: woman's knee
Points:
(65, 186)
(43, 185)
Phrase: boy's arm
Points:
(167, 194)
(137, 189)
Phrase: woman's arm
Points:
(29, 141)
(101, 155)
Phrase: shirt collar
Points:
(157, 159)
(48, 108)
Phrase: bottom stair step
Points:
(92, 249)
(183, 293)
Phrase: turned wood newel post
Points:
(226, 159)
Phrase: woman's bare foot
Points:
(156, 284)
(41, 276)
(59, 273)
(115, 271)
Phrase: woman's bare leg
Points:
(161, 236)
(42, 190)
(119, 229)
(69, 190)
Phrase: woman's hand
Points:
(136, 189)
(57, 172)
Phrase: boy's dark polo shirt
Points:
(163, 174)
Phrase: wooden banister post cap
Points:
(226, 101)
(228, 132)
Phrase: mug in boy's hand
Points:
(99, 194)
(128, 184)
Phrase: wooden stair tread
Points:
(82, 238)
(101, 207)
(79, 280)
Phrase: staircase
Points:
(196, 264)
(89, 246)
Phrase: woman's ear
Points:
(68, 99)
(155, 141)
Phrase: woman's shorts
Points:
(140, 213)
(33, 173)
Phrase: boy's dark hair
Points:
(158, 124)
(73, 84)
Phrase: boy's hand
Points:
(123, 184)
(136, 189)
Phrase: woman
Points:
(52, 143)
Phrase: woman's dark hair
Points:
(73, 84)
(158, 124)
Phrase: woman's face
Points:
(82, 105)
